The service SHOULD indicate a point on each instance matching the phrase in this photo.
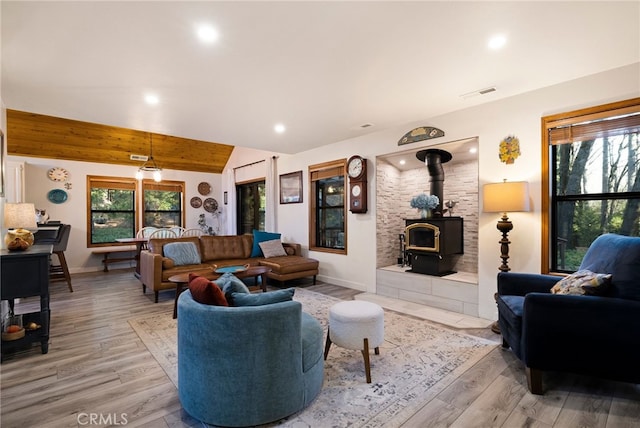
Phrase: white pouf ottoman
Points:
(358, 325)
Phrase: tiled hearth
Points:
(457, 292)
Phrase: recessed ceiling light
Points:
(498, 41)
(473, 150)
(402, 161)
(207, 34)
(151, 99)
(279, 128)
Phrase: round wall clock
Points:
(355, 166)
(57, 174)
(204, 188)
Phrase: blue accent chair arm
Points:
(519, 284)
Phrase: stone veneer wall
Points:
(396, 188)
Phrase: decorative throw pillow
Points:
(182, 253)
(272, 248)
(258, 237)
(583, 282)
(234, 285)
(205, 291)
(259, 299)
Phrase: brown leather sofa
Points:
(155, 269)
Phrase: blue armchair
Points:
(590, 335)
(245, 366)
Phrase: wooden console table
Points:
(26, 274)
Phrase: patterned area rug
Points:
(417, 361)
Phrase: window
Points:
(591, 170)
(327, 229)
(163, 203)
(252, 203)
(111, 209)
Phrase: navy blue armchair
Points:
(590, 335)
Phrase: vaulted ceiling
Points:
(322, 69)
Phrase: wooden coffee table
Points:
(182, 279)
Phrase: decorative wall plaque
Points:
(420, 134)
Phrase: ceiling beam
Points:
(37, 135)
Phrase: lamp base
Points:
(18, 239)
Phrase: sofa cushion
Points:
(167, 263)
(156, 245)
(229, 283)
(259, 299)
(216, 248)
(258, 237)
(513, 313)
(290, 264)
(272, 248)
(205, 291)
(182, 253)
(583, 282)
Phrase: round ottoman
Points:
(358, 325)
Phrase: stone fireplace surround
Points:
(395, 188)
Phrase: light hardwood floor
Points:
(98, 366)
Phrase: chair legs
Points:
(60, 272)
(365, 354)
(534, 380)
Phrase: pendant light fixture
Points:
(150, 165)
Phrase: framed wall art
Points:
(291, 188)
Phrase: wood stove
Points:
(434, 244)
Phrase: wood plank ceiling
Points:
(37, 135)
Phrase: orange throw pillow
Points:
(205, 291)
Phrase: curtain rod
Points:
(249, 164)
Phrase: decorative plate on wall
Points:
(204, 188)
(210, 205)
(57, 196)
(196, 202)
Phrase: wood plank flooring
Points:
(98, 368)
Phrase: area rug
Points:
(417, 361)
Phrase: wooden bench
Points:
(107, 259)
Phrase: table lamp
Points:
(19, 218)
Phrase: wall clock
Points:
(357, 173)
(57, 174)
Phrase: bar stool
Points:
(61, 272)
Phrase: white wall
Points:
(491, 122)
(73, 211)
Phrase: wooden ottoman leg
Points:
(367, 364)
(327, 345)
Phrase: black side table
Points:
(26, 274)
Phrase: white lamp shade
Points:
(505, 197)
(20, 216)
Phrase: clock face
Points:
(355, 167)
(58, 174)
(355, 190)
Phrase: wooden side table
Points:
(252, 272)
